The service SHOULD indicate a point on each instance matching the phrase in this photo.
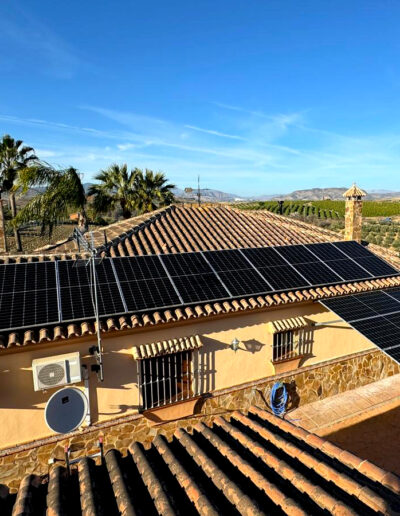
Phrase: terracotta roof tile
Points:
(248, 465)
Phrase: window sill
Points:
(287, 364)
(173, 411)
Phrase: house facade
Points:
(172, 364)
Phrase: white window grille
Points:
(165, 379)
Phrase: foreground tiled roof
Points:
(181, 228)
(254, 464)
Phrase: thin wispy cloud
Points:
(265, 154)
(40, 48)
(215, 133)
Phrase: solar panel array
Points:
(376, 315)
(33, 294)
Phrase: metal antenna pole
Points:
(198, 190)
(99, 356)
(89, 248)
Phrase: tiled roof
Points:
(251, 465)
(166, 347)
(182, 228)
(354, 191)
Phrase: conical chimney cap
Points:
(354, 191)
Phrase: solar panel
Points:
(76, 290)
(348, 269)
(283, 277)
(380, 331)
(352, 249)
(264, 257)
(394, 292)
(376, 315)
(325, 251)
(318, 273)
(380, 302)
(28, 295)
(230, 260)
(145, 283)
(244, 282)
(200, 287)
(295, 254)
(139, 268)
(376, 266)
(185, 264)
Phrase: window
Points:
(283, 346)
(292, 344)
(165, 379)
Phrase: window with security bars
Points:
(291, 344)
(165, 379)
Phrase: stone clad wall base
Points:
(304, 385)
(353, 220)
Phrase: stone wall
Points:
(305, 385)
(353, 219)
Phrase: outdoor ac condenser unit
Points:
(56, 371)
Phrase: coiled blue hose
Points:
(278, 399)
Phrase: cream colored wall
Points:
(22, 409)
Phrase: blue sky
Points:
(258, 97)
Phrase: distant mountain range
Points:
(313, 194)
(210, 195)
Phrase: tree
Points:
(152, 191)
(133, 191)
(63, 193)
(117, 187)
(15, 159)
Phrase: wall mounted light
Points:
(235, 344)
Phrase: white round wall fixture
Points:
(66, 410)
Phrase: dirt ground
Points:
(375, 439)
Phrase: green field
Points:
(327, 209)
(330, 215)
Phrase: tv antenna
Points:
(89, 247)
(198, 190)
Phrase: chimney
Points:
(3, 242)
(353, 213)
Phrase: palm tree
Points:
(117, 187)
(64, 192)
(15, 158)
(133, 191)
(152, 191)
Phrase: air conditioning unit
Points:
(56, 371)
